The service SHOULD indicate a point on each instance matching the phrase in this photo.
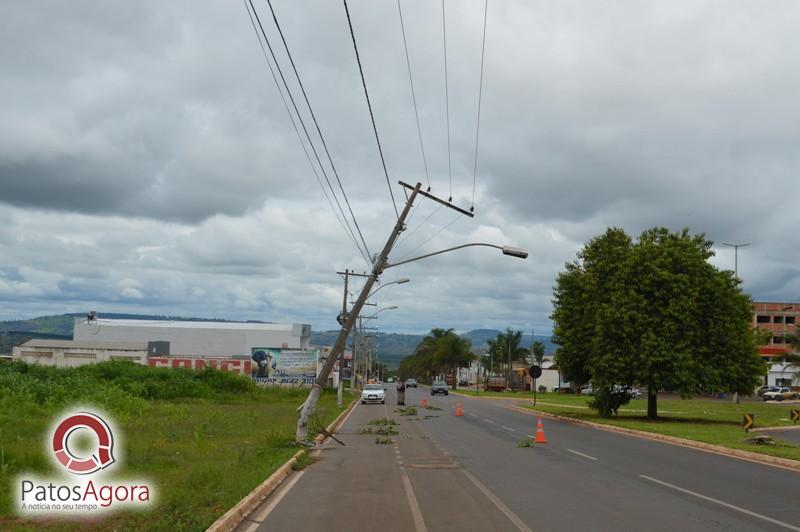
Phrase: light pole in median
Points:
(736, 274)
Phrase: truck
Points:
(495, 384)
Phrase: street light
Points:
(379, 311)
(736, 256)
(399, 281)
(507, 250)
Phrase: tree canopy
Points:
(499, 347)
(440, 351)
(654, 312)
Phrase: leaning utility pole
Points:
(301, 434)
(310, 405)
(340, 386)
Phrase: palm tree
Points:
(506, 348)
(453, 352)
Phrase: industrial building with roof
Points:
(195, 338)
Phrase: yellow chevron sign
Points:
(795, 415)
(747, 422)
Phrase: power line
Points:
(447, 104)
(342, 221)
(480, 95)
(434, 235)
(417, 228)
(413, 95)
(316, 124)
(369, 105)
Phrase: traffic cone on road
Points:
(540, 433)
(459, 411)
(424, 403)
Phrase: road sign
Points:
(535, 372)
(795, 415)
(342, 317)
(747, 421)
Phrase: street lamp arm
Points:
(399, 281)
(507, 250)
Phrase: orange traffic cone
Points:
(540, 433)
(459, 411)
(424, 403)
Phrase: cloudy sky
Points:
(148, 164)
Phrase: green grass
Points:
(204, 438)
(706, 420)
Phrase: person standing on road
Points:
(401, 392)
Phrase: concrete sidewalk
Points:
(409, 484)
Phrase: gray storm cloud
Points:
(147, 162)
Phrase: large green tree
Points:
(440, 351)
(654, 312)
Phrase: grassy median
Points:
(715, 421)
(204, 438)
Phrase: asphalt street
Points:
(444, 472)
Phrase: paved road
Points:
(467, 473)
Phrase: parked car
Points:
(779, 395)
(587, 390)
(411, 383)
(373, 393)
(764, 389)
(562, 389)
(439, 387)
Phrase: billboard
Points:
(274, 365)
(225, 364)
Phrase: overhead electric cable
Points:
(457, 217)
(364, 253)
(480, 95)
(447, 104)
(413, 95)
(369, 105)
(417, 228)
(316, 124)
(342, 221)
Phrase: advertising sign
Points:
(273, 365)
(225, 364)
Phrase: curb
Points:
(250, 502)
(775, 461)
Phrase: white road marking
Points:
(274, 502)
(419, 522)
(722, 503)
(509, 428)
(473, 415)
(497, 502)
(573, 451)
(488, 420)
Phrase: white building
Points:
(783, 374)
(196, 338)
(67, 353)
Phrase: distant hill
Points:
(391, 347)
(59, 327)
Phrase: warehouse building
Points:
(195, 338)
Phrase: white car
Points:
(373, 393)
(779, 395)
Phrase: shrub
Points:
(607, 401)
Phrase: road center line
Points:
(419, 522)
(573, 451)
(514, 518)
(488, 420)
(509, 428)
(722, 503)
